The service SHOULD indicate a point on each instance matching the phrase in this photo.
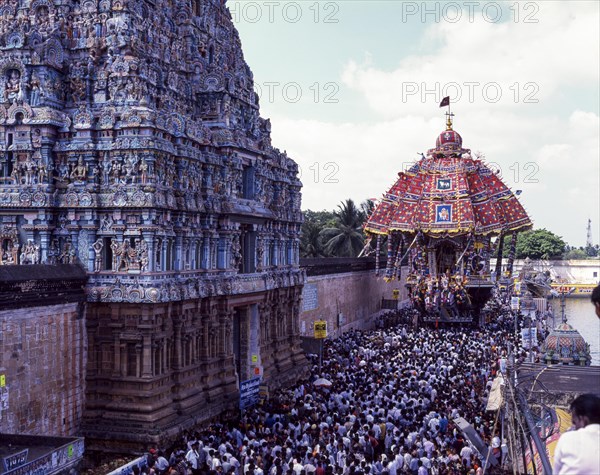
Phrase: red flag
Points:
(445, 101)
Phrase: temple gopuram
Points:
(444, 218)
(131, 144)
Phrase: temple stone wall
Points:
(345, 300)
(168, 367)
(42, 369)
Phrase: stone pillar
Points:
(203, 339)
(193, 347)
(229, 251)
(155, 359)
(192, 263)
(294, 314)
(214, 240)
(275, 256)
(165, 264)
(205, 250)
(179, 258)
(91, 255)
(163, 355)
(296, 252)
(290, 253)
(264, 322)
(268, 259)
(178, 342)
(149, 238)
(74, 233)
(225, 336)
(138, 360)
(45, 245)
(117, 356)
(222, 253)
(123, 358)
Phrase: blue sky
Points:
(352, 89)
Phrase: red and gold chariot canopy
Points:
(448, 192)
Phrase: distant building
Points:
(131, 143)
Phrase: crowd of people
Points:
(385, 404)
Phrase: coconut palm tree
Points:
(366, 208)
(345, 239)
(311, 242)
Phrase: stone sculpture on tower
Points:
(131, 143)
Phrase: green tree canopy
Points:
(345, 238)
(320, 218)
(335, 233)
(311, 242)
(537, 244)
(575, 254)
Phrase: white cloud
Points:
(550, 152)
(489, 65)
(553, 156)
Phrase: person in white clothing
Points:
(194, 458)
(465, 455)
(577, 451)
(297, 467)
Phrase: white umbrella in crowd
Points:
(322, 382)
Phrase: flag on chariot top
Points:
(445, 101)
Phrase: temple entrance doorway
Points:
(245, 344)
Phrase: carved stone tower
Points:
(131, 143)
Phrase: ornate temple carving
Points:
(131, 143)
(439, 218)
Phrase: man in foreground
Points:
(577, 450)
(596, 299)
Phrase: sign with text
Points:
(529, 337)
(263, 393)
(320, 327)
(59, 460)
(15, 460)
(310, 297)
(249, 392)
(517, 287)
(140, 462)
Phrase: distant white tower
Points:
(589, 243)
